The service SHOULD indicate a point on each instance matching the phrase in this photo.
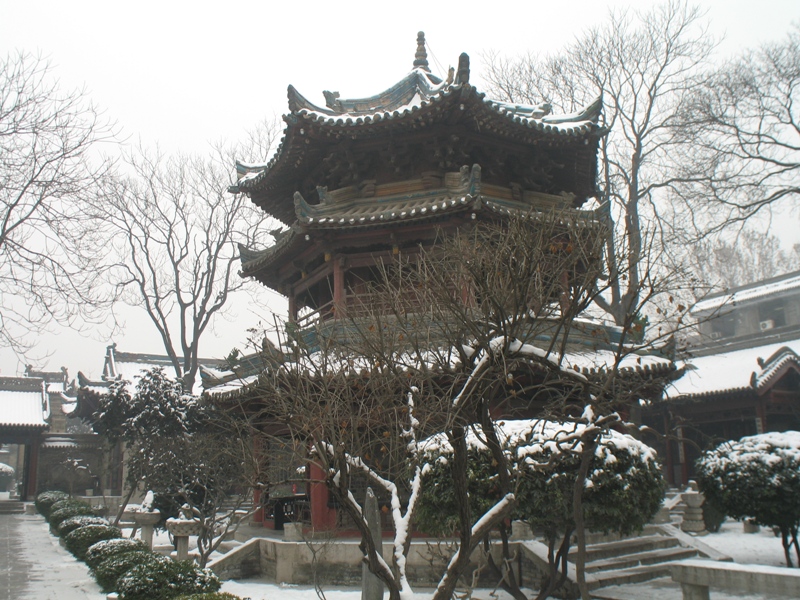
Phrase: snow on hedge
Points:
(757, 477)
(6, 470)
(533, 439)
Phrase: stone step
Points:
(627, 576)
(11, 507)
(601, 538)
(641, 558)
(643, 543)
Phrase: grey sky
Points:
(183, 74)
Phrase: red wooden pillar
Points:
(682, 457)
(292, 308)
(31, 467)
(339, 297)
(323, 518)
(761, 416)
(669, 462)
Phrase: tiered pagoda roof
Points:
(420, 152)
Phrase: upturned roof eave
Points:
(255, 178)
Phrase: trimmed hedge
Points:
(61, 511)
(210, 596)
(165, 581)
(79, 541)
(105, 549)
(45, 500)
(110, 570)
(67, 526)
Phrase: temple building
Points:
(358, 180)
(358, 183)
(741, 374)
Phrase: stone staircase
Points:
(621, 561)
(11, 507)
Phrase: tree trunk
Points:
(580, 529)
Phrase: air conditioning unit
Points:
(767, 325)
(715, 335)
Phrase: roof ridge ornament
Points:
(462, 75)
(421, 56)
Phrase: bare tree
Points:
(173, 229)
(49, 164)
(441, 341)
(743, 129)
(644, 65)
(746, 257)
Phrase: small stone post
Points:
(693, 515)
(371, 585)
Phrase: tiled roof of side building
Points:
(746, 293)
(23, 403)
(748, 370)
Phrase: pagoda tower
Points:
(359, 180)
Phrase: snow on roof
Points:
(59, 442)
(754, 291)
(730, 371)
(23, 408)
(576, 364)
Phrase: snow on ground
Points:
(761, 548)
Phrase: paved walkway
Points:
(34, 566)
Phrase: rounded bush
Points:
(209, 596)
(62, 511)
(79, 541)
(105, 549)
(67, 526)
(45, 500)
(110, 570)
(165, 581)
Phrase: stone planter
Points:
(750, 527)
(181, 529)
(146, 520)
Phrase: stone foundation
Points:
(334, 562)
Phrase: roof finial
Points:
(462, 75)
(421, 57)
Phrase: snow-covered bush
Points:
(6, 475)
(624, 487)
(67, 526)
(46, 500)
(209, 596)
(105, 549)
(623, 490)
(110, 570)
(165, 581)
(757, 478)
(79, 541)
(60, 511)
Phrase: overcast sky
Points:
(184, 74)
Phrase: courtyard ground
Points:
(33, 566)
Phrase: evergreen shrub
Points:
(624, 486)
(110, 570)
(61, 511)
(79, 541)
(69, 525)
(758, 478)
(45, 500)
(166, 581)
(105, 549)
(210, 596)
